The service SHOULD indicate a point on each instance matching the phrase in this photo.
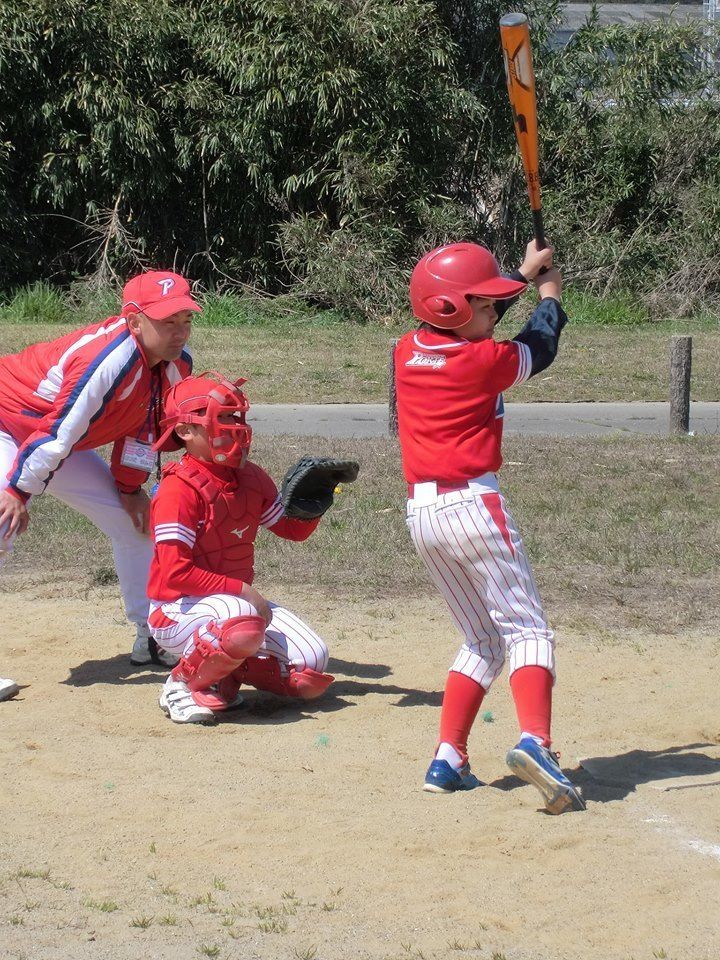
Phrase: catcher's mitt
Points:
(308, 487)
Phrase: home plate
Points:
(676, 768)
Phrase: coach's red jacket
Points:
(88, 388)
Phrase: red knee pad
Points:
(208, 664)
(239, 637)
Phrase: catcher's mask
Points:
(444, 279)
(204, 399)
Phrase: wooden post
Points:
(680, 364)
(392, 395)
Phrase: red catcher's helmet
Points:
(444, 279)
(203, 399)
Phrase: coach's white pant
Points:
(84, 482)
(473, 552)
(288, 639)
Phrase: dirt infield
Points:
(301, 832)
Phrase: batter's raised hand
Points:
(14, 517)
(549, 284)
(536, 259)
(137, 507)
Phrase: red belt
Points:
(441, 487)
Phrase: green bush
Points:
(36, 303)
(321, 147)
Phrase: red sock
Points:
(532, 692)
(461, 703)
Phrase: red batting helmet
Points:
(444, 279)
(203, 399)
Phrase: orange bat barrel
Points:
(520, 76)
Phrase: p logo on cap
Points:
(158, 294)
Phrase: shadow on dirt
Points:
(347, 670)
(258, 705)
(114, 670)
(603, 779)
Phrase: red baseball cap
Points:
(158, 294)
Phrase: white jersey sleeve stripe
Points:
(49, 388)
(524, 363)
(176, 534)
(164, 531)
(92, 393)
(273, 513)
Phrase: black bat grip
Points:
(539, 231)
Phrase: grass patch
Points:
(24, 874)
(623, 530)
(283, 312)
(618, 310)
(202, 900)
(273, 925)
(305, 953)
(104, 906)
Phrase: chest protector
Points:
(225, 541)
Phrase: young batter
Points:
(204, 518)
(450, 376)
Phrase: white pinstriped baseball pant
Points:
(473, 552)
(288, 639)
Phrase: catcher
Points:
(204, 520)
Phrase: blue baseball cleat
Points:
(442, 778)
(539, 766)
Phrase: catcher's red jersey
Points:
(450, 405)
(204, 520)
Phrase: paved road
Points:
(555, 419)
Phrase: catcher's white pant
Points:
(288, 639)
(473, 552)
(84, 482)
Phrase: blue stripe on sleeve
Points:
(79, 387)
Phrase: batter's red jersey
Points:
(204, 521)
(88, 388)
(450, 404)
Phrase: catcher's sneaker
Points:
(539, 766)
(145, 650)
(177, 702)
(8, 688)
(442, 778)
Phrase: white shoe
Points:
(145, 650)
(177, 702)
(8, 688)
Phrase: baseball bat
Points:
(520, 76)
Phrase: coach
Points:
(102, 384)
